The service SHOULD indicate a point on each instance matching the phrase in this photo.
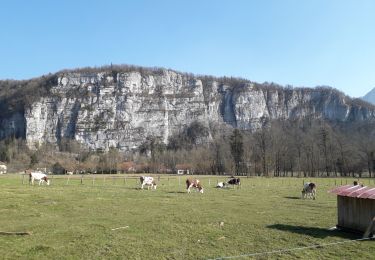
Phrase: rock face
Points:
(106, 109)
(370, 97)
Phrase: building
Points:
(3, 168)
(183, 169)
(355, 207)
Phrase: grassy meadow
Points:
(70, 220)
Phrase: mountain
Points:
(121, 106)
(370, 97)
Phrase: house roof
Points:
(355, 191)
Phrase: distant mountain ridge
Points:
(121, 106)
(370, 97)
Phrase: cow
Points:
(37, 175)
(221, 185)
(355, 183)
(309, 190)
(149, 181)
(195, 183)
(234, 181)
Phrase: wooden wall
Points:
(355, 213)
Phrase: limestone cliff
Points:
(103, 109)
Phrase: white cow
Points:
(39, 176)
(149, 181)
(309, 190)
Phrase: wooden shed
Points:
(355, 207)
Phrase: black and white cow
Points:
(309, 190)
(234, 181)
(149, 181)
(221, 185)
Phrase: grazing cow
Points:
(39, 176)
(195, 183)
(309, 190)
(220, 185)
(355, 183)
(149, 181)
(234, 181)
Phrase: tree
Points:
(236, 145)
(4, 154)
(33, 159)
(262, 140)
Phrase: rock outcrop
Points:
(104, 109)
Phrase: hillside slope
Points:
(121, 106)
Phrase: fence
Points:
(206, 180)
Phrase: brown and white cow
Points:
(309, 190)
(149, 181)
(194, 183)
(37, 175)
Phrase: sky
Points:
(290, 42)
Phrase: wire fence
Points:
(288, 250)
(206, 180)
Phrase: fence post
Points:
(67, 181)
(23, 177)
(124, 180)
(179, 180)
(93, 180)
(209, 182)
(168, 182)
(81, 179)
(104, 181)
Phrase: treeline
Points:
(281, 148)
(16, 95)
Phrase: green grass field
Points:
(70, 220)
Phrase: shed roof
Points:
(355, 191)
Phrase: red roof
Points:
(356, 191)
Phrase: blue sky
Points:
(296, 42)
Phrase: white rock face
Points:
(102, 110)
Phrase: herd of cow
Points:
(308, 191)
(190, 183)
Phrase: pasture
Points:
(74, 219)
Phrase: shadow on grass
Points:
(292, 198)
(314, 231)
(177, 192)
